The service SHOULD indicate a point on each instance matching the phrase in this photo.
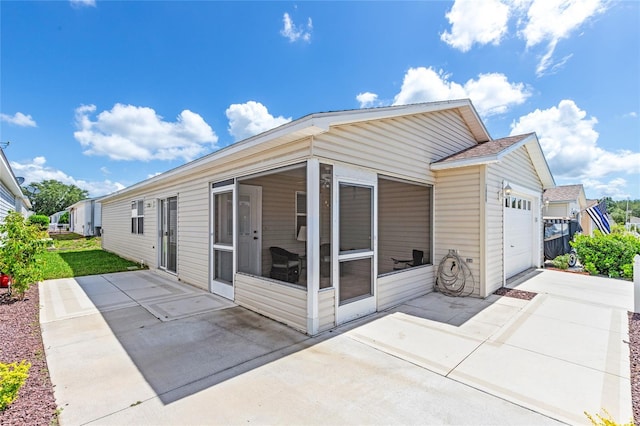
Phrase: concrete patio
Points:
(141, 348)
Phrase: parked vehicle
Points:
(558, 231)
(5, 280)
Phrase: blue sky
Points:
(105, 94)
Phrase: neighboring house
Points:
(11, 196)
(85, 217)
(301, 223)
(568, 201)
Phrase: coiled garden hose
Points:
(453, 273)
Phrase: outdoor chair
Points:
(418, 259)
(285, 266)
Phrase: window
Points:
(404, 225)
(301, 211)
(137, 217)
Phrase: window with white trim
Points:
(137, 217)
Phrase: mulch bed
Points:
(22, 340)
(634, 360)
(517, 294)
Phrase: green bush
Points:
(20, 246)
(561, 262)
(39, 220)
(610, 255)
(64, 218)
(12, 377)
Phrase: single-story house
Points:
(568, 201)
(85, 217)
(11, 196)
(337, 215)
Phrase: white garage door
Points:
(518, 239)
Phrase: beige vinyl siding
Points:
(117, 236)
(515, 168)
(558, 210)
(457, 217)
(398, 287)
(401, 147)
(193, 235)
(281, 302)
(327, 309)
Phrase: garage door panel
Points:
(518, 234)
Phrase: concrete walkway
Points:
(140, 348)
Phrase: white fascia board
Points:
(9, 179)
(540, 163)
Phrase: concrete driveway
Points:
(140, 348)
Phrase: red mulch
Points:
(22, 340)
(517, 294)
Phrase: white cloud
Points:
(251, 118)
(294, 32)
(128, 132)
(615, 188)
(105, 170)
(18, 119)
(537, 21)
(83, 3)
(551, 21)
(36, 170)
(631, 114)
(490, 93)
(570, 143)
(367, 99)
(474, 21)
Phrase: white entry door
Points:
(250, 229)
(355, 270)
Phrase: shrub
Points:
(20, 246)
(39, 220)
(64, 218)
(610, 255)
(562, 261)
(12, 377)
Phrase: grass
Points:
(73, 255)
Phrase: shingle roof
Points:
(563, 193)
(485, 149)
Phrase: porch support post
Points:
(313, 244)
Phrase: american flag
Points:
(598, 214)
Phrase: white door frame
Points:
(254, 239)
(365, 305)
(219, 287)
(164, 257)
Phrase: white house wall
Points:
(284, 303)
(401, 147)
(458, 195)
(7, 201)
(399, 287)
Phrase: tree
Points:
(51, 196)
(20, 246)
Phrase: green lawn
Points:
(73, 255)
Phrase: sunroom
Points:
(319, 243)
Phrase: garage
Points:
(519, 235)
